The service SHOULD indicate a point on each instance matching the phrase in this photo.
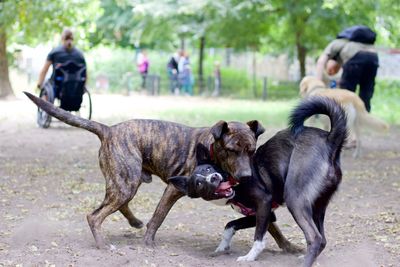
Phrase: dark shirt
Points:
(61, 55)
(172, 64)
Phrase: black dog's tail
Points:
(97, 128)
(321, 105)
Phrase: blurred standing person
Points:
(172, 68)
(353, 49)
(217, 79)
(143, 66)
(181, 75)
(186, 76)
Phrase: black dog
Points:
(299, 166)
(213, 184)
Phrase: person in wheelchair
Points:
(65, 59)
(68, 79)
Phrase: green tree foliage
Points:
(308, 26)
(161, 23)
(298, 27)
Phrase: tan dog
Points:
(357, 116)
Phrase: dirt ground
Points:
(50, 180)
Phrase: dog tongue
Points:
(223, 186)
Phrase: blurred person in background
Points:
(143, 66)
(59, 55)
(353, 49)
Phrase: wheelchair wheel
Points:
(86, 107)
(43, 119)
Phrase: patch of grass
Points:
(269, 113)
(275, 112)
(386, 101)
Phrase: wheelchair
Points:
(67, 90)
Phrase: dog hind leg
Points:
(304, 218)
(319, 217)
(96, 218)
(126, 211)
(121, 186)
(133, 221)
(113, 201)
(281, 240)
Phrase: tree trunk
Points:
(254, 69)
(228, 53)
(183, 47)
(301, 55)
(201, 59)
(5, 85)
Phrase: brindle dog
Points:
(132, 151)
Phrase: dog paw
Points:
(149, 242)
(146, 178)
(100, 244)
(219, 252)
(136, 224)
(222, 248)
(293, 249)
(246, 258)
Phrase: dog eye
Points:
(199, 183)
(208, 169)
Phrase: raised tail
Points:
(372, 122)
(97, 128)
(321, 105)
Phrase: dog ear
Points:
(202, 154)
(256, 127)
(181, 183)
(219, 129)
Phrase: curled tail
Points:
(97, 128)
(321, 105)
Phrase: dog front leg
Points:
(168, 199)
(230, 230)
(262, 219)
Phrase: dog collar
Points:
(212, 151)
(239, 207)
(232, 180)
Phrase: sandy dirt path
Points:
(50, 180)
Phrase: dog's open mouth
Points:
(224, 190)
